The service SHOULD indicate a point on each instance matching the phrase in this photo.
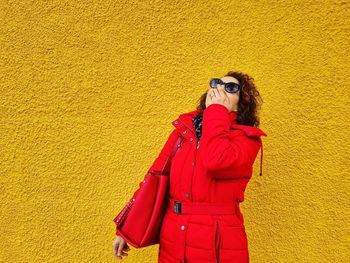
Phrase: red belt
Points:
(203, 208)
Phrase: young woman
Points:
(209, 175)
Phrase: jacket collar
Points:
(184, 121)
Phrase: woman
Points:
(209, 175)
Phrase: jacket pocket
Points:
(217, 242)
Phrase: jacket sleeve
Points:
(156, 168)
(225, 156)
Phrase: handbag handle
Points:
(122, 214)
(176, 146)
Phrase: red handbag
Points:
(139, 222)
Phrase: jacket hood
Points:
(186, 120)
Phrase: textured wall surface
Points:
(88, 93)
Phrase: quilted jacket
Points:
(214, 169)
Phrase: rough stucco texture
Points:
(88, 93)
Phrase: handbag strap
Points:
(119, 219)
(176, 146)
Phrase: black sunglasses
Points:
(230, 87)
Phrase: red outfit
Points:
(214, 172)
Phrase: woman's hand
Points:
(217, 96)
(120, 247)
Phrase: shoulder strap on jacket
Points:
(173, 152)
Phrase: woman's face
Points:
(233, 98)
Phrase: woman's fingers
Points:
(115, 251)
(219, 92)
(121, 251)
(217, 95)
(117, 254)
(119, 248)
(114, 247)
(126, 248)
(122, 254)
(212, 94)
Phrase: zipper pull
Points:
(198, 144)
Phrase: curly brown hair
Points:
(249, 100)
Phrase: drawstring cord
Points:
(261, 157)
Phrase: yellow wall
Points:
(88, 93)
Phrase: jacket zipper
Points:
(217, 242)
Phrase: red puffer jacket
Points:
(208, 174)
